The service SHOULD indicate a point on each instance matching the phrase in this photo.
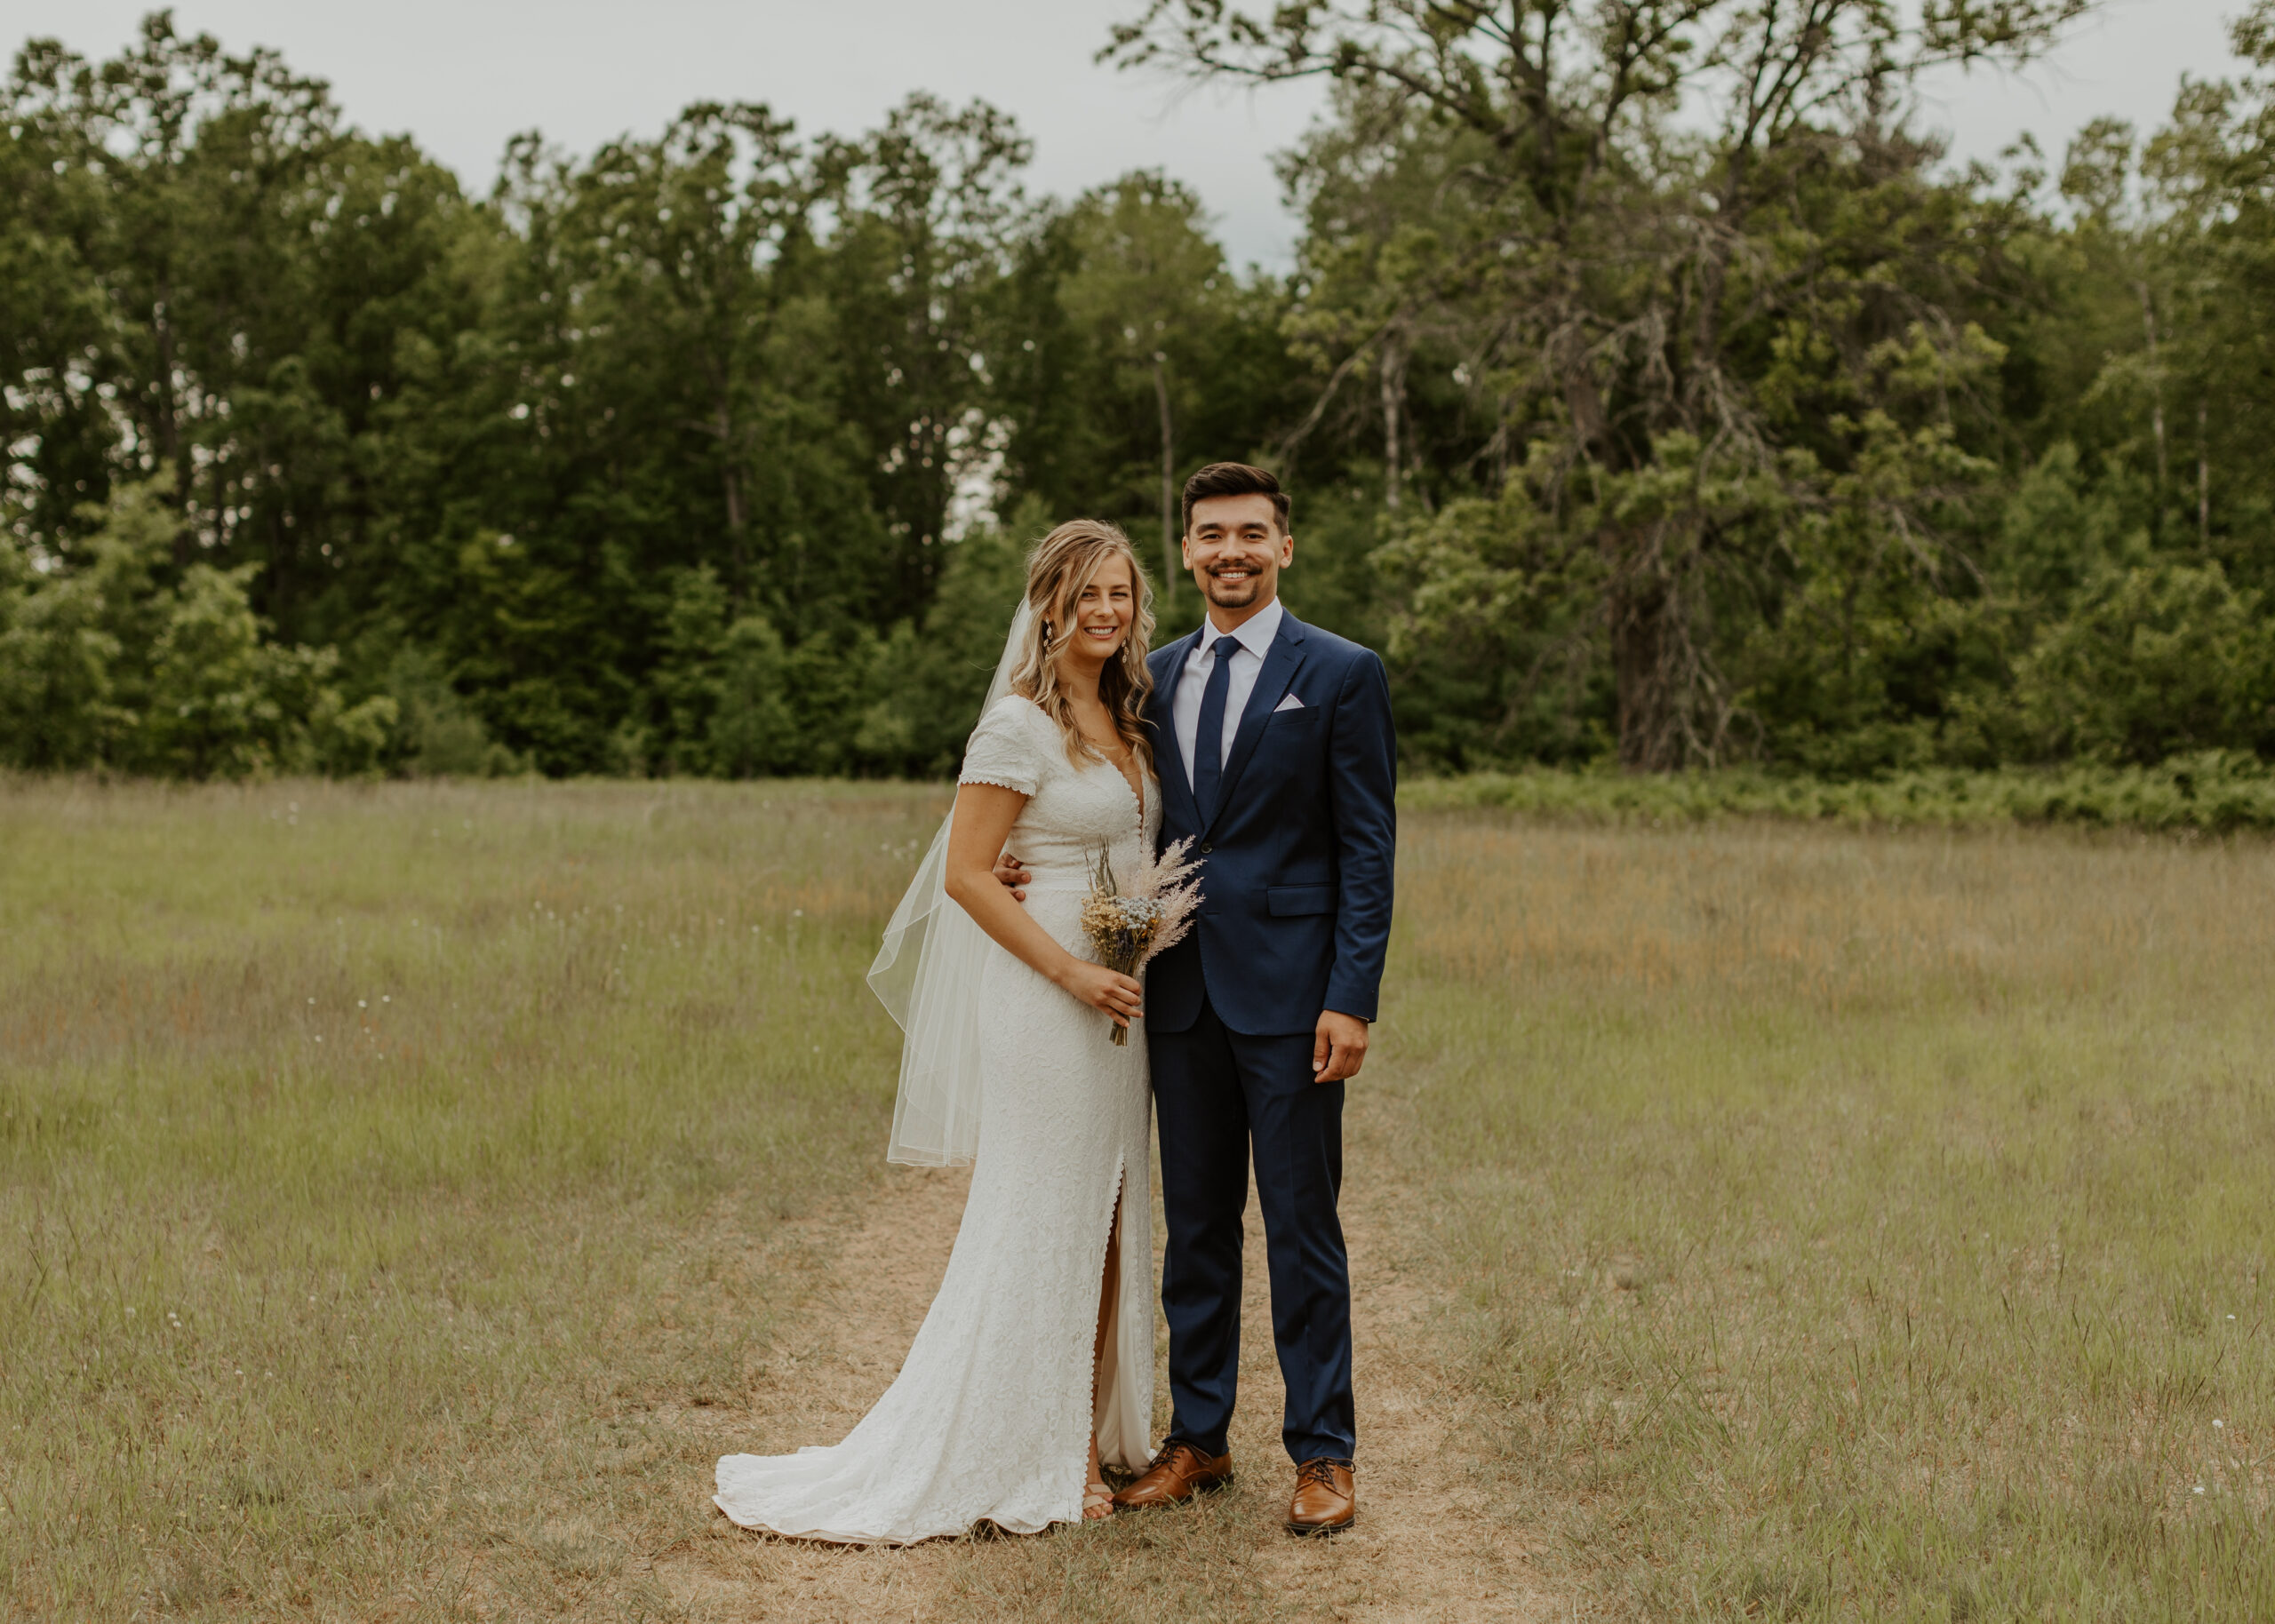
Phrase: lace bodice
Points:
(1072, 811)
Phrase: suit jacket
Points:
(1297, 864)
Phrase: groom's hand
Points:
(1014, 877)
(1340, 1047)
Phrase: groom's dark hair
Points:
(1234, 478)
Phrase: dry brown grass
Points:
(448, 1315)
(375, 1161)
(1861, 1226)
(1844, 921)
(1749, 1223)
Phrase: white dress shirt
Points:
(1255, 635)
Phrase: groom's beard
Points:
(1234, 594)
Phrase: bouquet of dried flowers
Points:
(1128, 927)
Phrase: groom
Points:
(1276, 755)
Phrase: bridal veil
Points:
(927, 975)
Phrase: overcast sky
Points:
(462, 76)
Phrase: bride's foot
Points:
(1097, 1500)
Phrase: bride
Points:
(1035, 1364)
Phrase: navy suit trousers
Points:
(1222, 1095)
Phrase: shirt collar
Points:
(1255, 632)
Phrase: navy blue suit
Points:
(1295, 920)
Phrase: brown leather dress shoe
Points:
(1178, 1473)
(1327, 1498)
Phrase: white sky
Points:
(463, 74)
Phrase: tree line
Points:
(1653, 392)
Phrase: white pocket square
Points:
(1289, 703)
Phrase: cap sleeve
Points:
(1004, 750)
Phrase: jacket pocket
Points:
(1291, 902)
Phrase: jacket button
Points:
(1206, 849)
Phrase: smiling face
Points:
(1236, 550)
(1103, 609)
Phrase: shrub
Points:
(116, 658)
(2212, 792)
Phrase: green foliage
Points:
(726, 687)
(134, 663)
(2058, 528)
(1764, 438)
(60, 653)
(730, 698)
(1496, 628)
(438, 735)
(931, 683)
(2212, 792)
(2157, 660)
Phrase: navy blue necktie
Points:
(1209, 738)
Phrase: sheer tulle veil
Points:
(927, 975)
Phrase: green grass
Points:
(1860, 1227)
(1833, 1221)
(371, 1158)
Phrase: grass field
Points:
(1858, 1226)
(370, 1153)
(1824, 1223)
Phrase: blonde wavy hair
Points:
(1061, 565)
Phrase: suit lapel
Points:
(1169, 758)
(1279, 667)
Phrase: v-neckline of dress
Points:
(1136, 791)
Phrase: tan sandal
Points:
(1097, 1502)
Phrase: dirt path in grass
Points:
(1427, 1546)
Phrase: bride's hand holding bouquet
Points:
(1130, 928)
(1122, 997)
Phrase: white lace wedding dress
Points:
(991, 1416)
